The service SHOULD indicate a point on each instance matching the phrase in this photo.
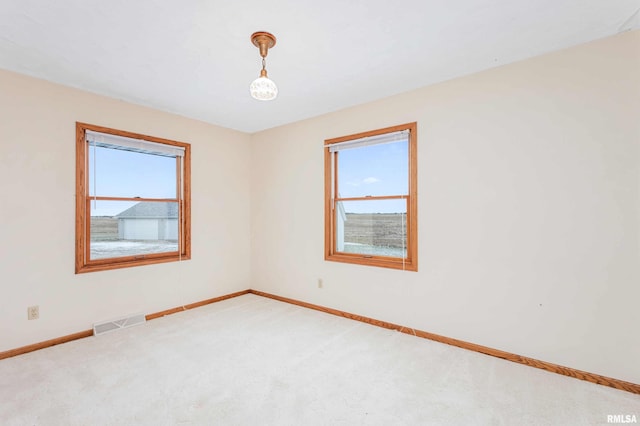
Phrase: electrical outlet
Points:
(319, 282)
(33, 312)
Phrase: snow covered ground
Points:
(119, 248)
(374, 250)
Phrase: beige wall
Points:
(37, 183)
(529, 210)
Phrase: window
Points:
(371, 198)
(132, 199)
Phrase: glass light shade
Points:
(263, 89)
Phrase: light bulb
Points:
(263, 89)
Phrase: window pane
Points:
(119, 173)
(123, 228)
(374, 170)
(372, 227)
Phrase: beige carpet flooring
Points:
(256, 361)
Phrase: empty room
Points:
(320, 213)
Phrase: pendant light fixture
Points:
(262, 87)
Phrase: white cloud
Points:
(370, 180)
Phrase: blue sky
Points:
(120, 173)
(374, 170)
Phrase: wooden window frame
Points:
(83, 262)
(410, 262)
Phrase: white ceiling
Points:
(194, 57)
